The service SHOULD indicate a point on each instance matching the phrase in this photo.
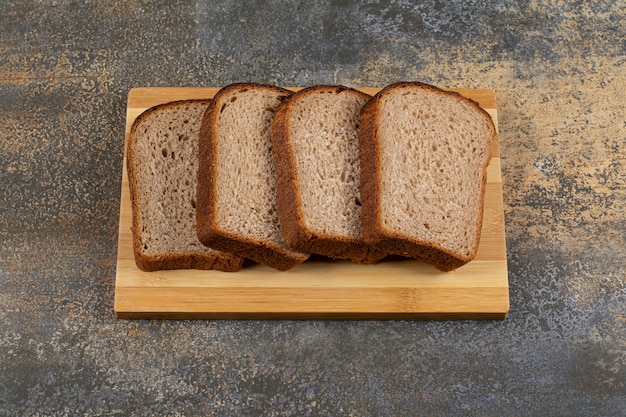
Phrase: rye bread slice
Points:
(424, 154)
(316, 153)
(236, 208)
(162, 167)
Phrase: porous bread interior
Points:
(245, 199)
(166, 163)
(323, 135)
(434, 149)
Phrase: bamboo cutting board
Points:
(318, 288)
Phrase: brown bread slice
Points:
(316, 152)
(424, 155)
(162, 162)
(236, 208)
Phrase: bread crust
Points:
(290, 208)
(370, 157)
(185, 260)
(209, 231)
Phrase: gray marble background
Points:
(558, 68)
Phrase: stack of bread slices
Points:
(262, 173)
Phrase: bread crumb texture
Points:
(435, 150)
(245, 203)
(165, 166)
(324, 140)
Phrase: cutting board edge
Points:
(422, 316)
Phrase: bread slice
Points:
(162, 161)
(236, 209)
(424, 154)
(316, 152)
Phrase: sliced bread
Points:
(236, 210)
(316, 152)
(424, 154)
(162, 162)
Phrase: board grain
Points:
(318, 288)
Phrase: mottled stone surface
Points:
(558, 69)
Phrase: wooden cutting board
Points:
(318, 288)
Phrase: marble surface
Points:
(558, 68)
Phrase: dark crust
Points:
(369, 154)
(209, 232)
(295, 231)
(222, 262)
(225, 263)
